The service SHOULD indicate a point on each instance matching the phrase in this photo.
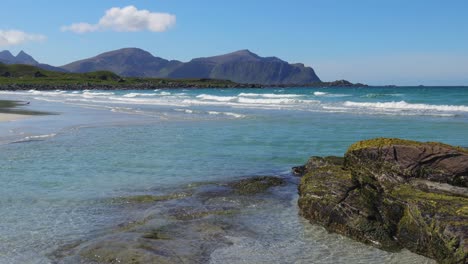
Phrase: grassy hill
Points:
(19, 76)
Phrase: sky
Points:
(378, 42)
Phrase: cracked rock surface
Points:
(392, 194)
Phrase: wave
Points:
(320, 93)
(49, 93)
(97, 93)
(268, 101)
(325, 94)
(270, 95)
(402, 105)
(226, 113)
(216, 98)
(131, 95)
(190, 111)
(379, 95)
(187, 111)
(39, 137)
(34, 138)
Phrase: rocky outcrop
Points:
(392, 194)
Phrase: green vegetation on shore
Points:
(25, 77)
(22, 77)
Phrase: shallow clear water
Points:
(58, 171)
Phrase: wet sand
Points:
(5, 117)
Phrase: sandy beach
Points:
(11, 117)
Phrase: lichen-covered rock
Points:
(393, 193)
(317, 162)
(397, 160)
(330, 197)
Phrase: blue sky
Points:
(376, 42)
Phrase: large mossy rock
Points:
(397, 160)
(393, 193)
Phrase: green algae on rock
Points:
(175, 231)
(397, 160)
(146, 198)
(256, 185)
(393, 194)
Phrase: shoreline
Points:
(162, 84)
(9, 111)
(8, 117)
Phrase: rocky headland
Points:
(392, 194)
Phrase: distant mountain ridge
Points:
(129, 62)
(241, 66)
(24, 58)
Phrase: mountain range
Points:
(241, 66)
(24, 58)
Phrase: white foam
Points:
(270, 95)
(41, 136)
(131, 95)
(267, 101)
(226, 113)
(325, 94)
(46, 93)
(276, 101)
(187, 111)
(35, 138)
(216, 98)
(376, 95)
(402, 105)
(320, 93)
(97, 93)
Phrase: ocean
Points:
(62, 175)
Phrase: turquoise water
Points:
(58, 171)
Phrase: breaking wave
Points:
(402, 105)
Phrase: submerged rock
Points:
(393, 194)
(146, 198)
(182, 227)
(256, 185)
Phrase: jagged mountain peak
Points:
(6, 56)
(25, 58)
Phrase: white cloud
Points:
(17, 37)
(80, 28)
(127, 19)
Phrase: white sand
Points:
(11, 117)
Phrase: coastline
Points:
(97, 204)
(149, 84)
(10, 111)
